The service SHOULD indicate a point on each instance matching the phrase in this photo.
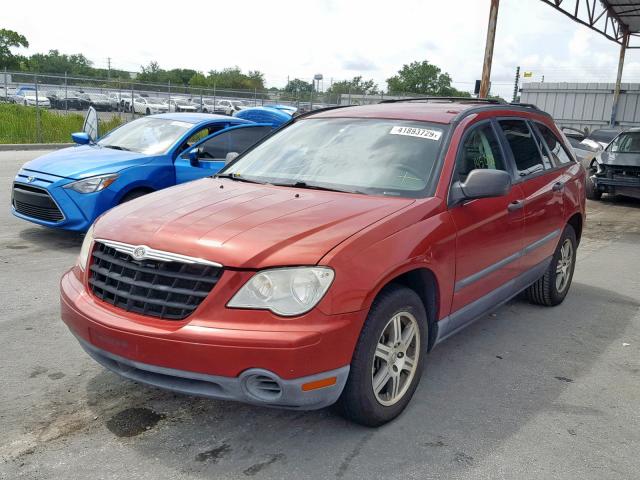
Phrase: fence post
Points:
(6, 88)
(255, 97)
(38, 125)
(349, 93)
(169, 90)
(201, 108)
(66, 97)
(133, 112)
(214, 97)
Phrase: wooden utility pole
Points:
(488, 51)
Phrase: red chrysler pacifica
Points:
(323, 264)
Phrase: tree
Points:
(424, 78)
(8, 40)
(356, 86)
(57, 63)
(297, 85)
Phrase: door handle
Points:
(515, 205)
(557, 187)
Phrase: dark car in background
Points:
(616, 169)
(99, 101)
(66, 100)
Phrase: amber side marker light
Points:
(315, 385)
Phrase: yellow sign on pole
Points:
(528, 74)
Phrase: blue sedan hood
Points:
(85, 161)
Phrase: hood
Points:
(620, 159)
(244, 225)
(85, 161)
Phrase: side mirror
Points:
(81, 138)
(231, 156)
(193, 156)
(481, 183)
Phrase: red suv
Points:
(324, 263)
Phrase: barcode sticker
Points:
(417, 132)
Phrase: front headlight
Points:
(284, 291)
(85, 250)
(93, 184)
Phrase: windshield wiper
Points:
(118, 147)
(237, 177)
(314, 187)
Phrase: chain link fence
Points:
(118, 101)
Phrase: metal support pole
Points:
(255, 97)
(488, 51)
(515, 86)
(133, 110)
(66, 96)
(6, 88)
(169, 90)
(616, 92)
(38, 124)
(214, 98)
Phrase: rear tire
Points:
(388, 359)
(551, 289)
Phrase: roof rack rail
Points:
(446, 99)
(524, 105)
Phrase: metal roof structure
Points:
(617, 20)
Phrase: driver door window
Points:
(480, 150)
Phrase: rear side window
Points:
(559, 154)
(480, 150)
(523, 146)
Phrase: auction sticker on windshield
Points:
(416, 132)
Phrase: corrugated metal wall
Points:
(581, 105)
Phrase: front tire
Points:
(590, 187)
(551, 289)
(388, 359)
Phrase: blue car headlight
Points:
(93, 184)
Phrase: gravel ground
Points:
(528, 393)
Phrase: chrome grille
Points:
(170, 290)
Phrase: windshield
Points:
(373, 156)
(150, 136)
(626, 143)
(98, 96)
(153, 100)
(237, 104)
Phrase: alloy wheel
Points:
(396, 358)
(563, 268)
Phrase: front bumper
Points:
(282, 393)
(628, 185)
(192, 358)
(79, 210)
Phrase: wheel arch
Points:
(576, 222)
(134, 188)
(425, 284)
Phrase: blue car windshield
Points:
(370, 156)
(151, 136)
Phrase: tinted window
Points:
(560, 156)
(237, 140)
(626, 143)
(523, 145)
(480, 150)
(546, 158)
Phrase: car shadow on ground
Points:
(479, 389)
(41, 239)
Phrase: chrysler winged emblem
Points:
(139, 252)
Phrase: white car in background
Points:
(180, 105)
(230, 106)
(28, 98)
(149, 106)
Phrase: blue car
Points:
(70, 188)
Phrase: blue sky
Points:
(339, 39)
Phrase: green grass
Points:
(18, 125)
